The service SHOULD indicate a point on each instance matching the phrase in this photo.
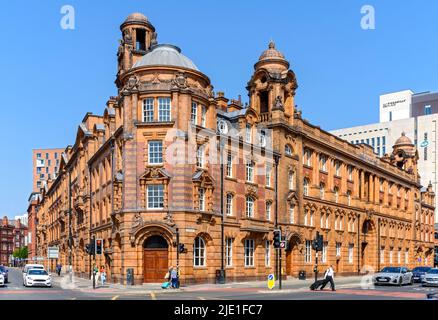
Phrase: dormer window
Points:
(194, 113)
(248, 133)
(203, 116)
(164, 109)
(148, 110)
(140, 36)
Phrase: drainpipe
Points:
(359, 249)
(378, 245)
(91, 213)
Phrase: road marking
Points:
(201, 298)
(114, 298)
(72, 298)
(153, 296)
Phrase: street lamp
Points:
(221, 277)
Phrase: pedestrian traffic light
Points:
(89, 248)
(320, 241)
(181, 248)
(277, 239)
(99, 246)
(317, 243)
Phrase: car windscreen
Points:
(37, 272)
(391, 270)
(434, 271)
(421, 269)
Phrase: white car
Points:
(31, 266)
(2, 280)
(431, 278)
(37, 277)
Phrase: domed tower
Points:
(405, 155)
(138, 35)
(272, 86)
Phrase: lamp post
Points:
(277, 252)
(221, 278)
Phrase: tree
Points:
(20, 253)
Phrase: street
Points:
(348, 288)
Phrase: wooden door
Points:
(155, 262)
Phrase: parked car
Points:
(431, 278)
(394, 276)
(37, 277)
(2, 280)
(31, 266)
(419, 273)
(4, 272)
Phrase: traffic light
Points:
(277, 239)
(89, 248)
(181, 248)
(317, 243)
(99, 246)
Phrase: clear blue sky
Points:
(51, 77)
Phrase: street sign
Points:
(271, 281)
(53, 252)
(39, 258)
(282, 244)
(424, 144)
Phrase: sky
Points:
(51, 77)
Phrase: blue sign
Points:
(424, 144)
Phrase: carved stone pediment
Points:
(251, 190)
(155, 173)
(203, 177)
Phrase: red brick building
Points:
(12, 236)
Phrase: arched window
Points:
(291, 180)
(349, 198)
(249, 207)
(199, 252)
(229, 206)
(322, 191)
(288, 150)
(306, 187)
(268, 210)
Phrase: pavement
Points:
(347, 288)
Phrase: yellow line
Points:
(114, 298)
(153, 296)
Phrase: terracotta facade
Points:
(149, 169)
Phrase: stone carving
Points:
(138, 221)
(180, 81)
(154, 39)
(132, 83)
(209, 91)
(278, 105)
(127, 37)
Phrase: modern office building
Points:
(416, 115)
(45, 163)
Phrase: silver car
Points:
(393, 276)
(431, 278)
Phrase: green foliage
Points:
(21, 253)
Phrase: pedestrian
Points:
(174, 277)
(329, 277)
(96, 278)
(102, 275)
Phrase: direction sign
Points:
(424, 144)
(53, 252)
(271, 281)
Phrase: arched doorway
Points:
(293, 255)
(368, 245)
(155, 259)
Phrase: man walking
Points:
(328, 277)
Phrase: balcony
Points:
(265, 117)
